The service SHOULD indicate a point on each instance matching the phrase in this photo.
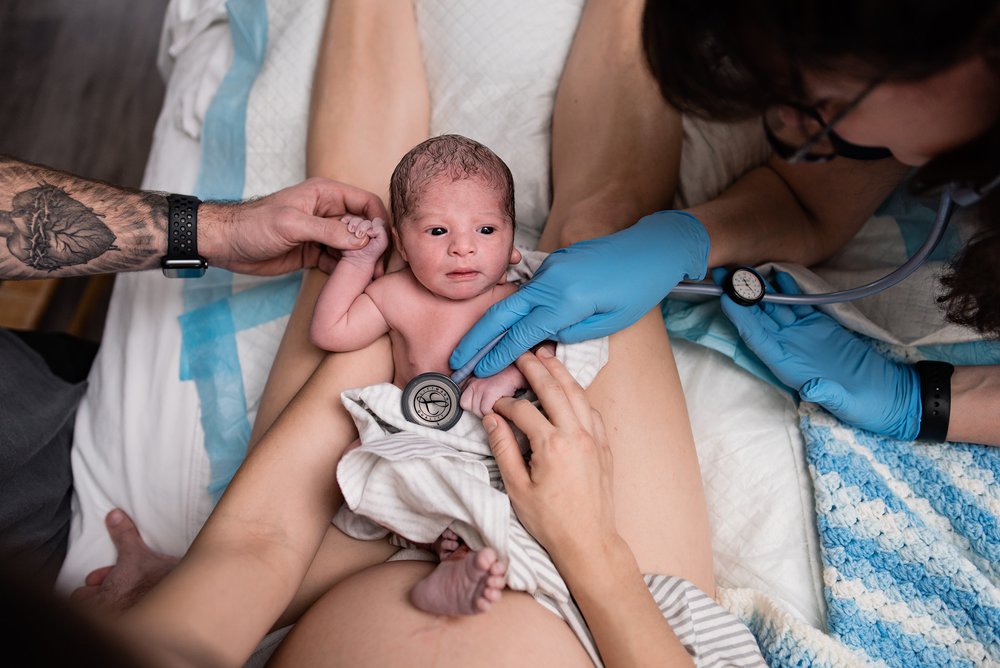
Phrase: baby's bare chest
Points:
(425, 336)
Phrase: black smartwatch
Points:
(935, 400)
(182, 259)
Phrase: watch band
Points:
(182, 259)
(935, 400)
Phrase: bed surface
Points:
(141, 430)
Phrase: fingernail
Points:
(115, 517)
(544, 351)
(490, 423)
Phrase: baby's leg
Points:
(466, 582)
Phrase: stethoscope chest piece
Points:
(432, 400)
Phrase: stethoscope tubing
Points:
(945, 209)
(466, 369)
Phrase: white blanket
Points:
(418, 481)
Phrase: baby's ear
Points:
(515, 255)
(398, 244)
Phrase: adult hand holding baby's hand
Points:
(564, 497)
(294, 228)
(374, 231)
(480, 394)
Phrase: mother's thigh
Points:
(659, 500)
(367, 620)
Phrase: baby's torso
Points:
(424, 328)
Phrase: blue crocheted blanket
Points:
(911, 554)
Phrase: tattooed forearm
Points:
(57, 224)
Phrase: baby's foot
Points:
(465, 584)
(446, 544)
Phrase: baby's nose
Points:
(462, 246)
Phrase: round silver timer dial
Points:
(745, 286)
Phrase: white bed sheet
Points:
(139, 443)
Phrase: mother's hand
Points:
(564, 495)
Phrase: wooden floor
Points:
(81, 93)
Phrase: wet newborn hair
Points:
(448, 156)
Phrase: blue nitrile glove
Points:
(591, 289)
(828, 364)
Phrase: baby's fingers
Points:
(356, 225)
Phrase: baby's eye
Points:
(437, 231)
(487, 229)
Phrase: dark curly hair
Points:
(452, 156)
(733, 59)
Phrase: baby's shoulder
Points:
(395, 289)
(503, 290)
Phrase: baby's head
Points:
(452, 202)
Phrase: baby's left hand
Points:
(377, 234)
(481, 393)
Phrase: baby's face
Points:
(457, 239)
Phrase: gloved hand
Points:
(828, 364)
(591, 289)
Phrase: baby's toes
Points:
(495, 583)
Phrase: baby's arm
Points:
(480, 394)
(345, 317)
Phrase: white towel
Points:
(416, 481)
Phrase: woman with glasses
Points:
(853, 95)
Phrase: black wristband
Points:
(935, 400)
(182, 259)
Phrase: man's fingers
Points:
(335, 199)
(96, 576)
(304, 228)
(124, 533)
(506, 452)
(83, 593)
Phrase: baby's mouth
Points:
(462, 273)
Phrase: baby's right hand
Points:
(378, 238)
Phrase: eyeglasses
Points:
(799, 134)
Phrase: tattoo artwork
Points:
(47, 229)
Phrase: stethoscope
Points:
(432, 399)
(747, 287)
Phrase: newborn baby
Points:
(452, 201)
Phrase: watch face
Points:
(186, 268)
(746, 286)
